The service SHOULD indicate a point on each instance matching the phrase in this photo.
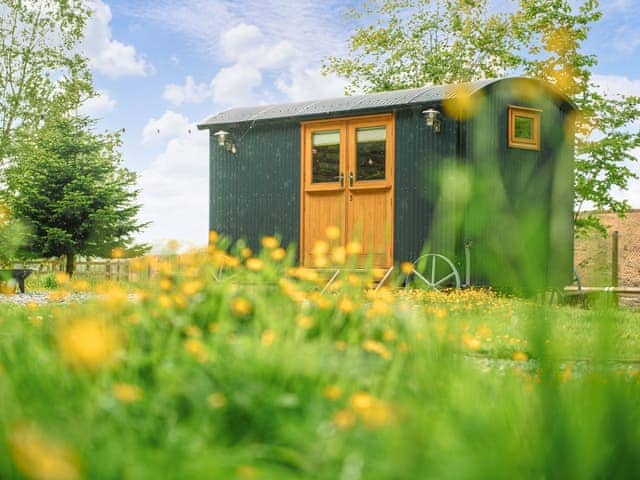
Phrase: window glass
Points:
(325, 156)
(371, 143)
(523, 127)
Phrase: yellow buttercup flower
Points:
(255, 264)
(270, 242)
(332, 392)
(378, 348)
(87, 343)
(332, 232)
(80, 286)
(40, 457)
(247, 472)
(407, 268)
(344, 418)
(217, 400)
(354, 248)
(192, 287)
(241, 306)
(320, 248)
(268, 337)
(126, 392)
(471, 342)
(165, 284)
(339, 255)
(196, 348)
(373, 412)
(520, 356)
(165, 301)
(278, 254)
(305, 322)
(346, 305)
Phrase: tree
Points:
(413, 43)
(68, 186)
(39, 63)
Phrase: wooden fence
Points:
(106, 269)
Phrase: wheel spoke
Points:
(419, 275)
(433, 271)
(444, 279)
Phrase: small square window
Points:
(524, 128)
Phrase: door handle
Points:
(341, 179)
(351, 179)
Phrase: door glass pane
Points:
(371, 145)
(325, 156)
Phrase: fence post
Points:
(614, 264)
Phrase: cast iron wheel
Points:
(434, 271)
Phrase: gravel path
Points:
(41, 298)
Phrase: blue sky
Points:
(164, 65)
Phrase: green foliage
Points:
(39, 66)
(241, 378)
(412, 43)
(68, 185)
(12, 233)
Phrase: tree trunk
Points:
(71, 263)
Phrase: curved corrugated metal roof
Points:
(355, 103)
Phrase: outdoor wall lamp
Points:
(432, 120)
(225, 142)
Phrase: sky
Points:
(163, 66)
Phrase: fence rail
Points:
(108, 269)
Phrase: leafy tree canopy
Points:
(68, 186)
(39, 63)
(412, 43)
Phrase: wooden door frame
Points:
(342, 124)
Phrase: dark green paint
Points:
(256, 192)
(462, 184)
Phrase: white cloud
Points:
(98, 105)
(308, 83)
(632, 193)
(318, 28)
(169, 125)
(617, 85)
(190, 92)
(251, 54)
(255, 57)
(175, 189)
(236, 41)
(235, 85)
(106, 55)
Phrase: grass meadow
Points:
(232, 364)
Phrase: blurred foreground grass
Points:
(253, 374)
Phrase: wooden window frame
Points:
(518, 142)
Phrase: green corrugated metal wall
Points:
(422, 215)
(461, 184)
(257, 191)
(520, 214)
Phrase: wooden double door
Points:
(347, 182)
